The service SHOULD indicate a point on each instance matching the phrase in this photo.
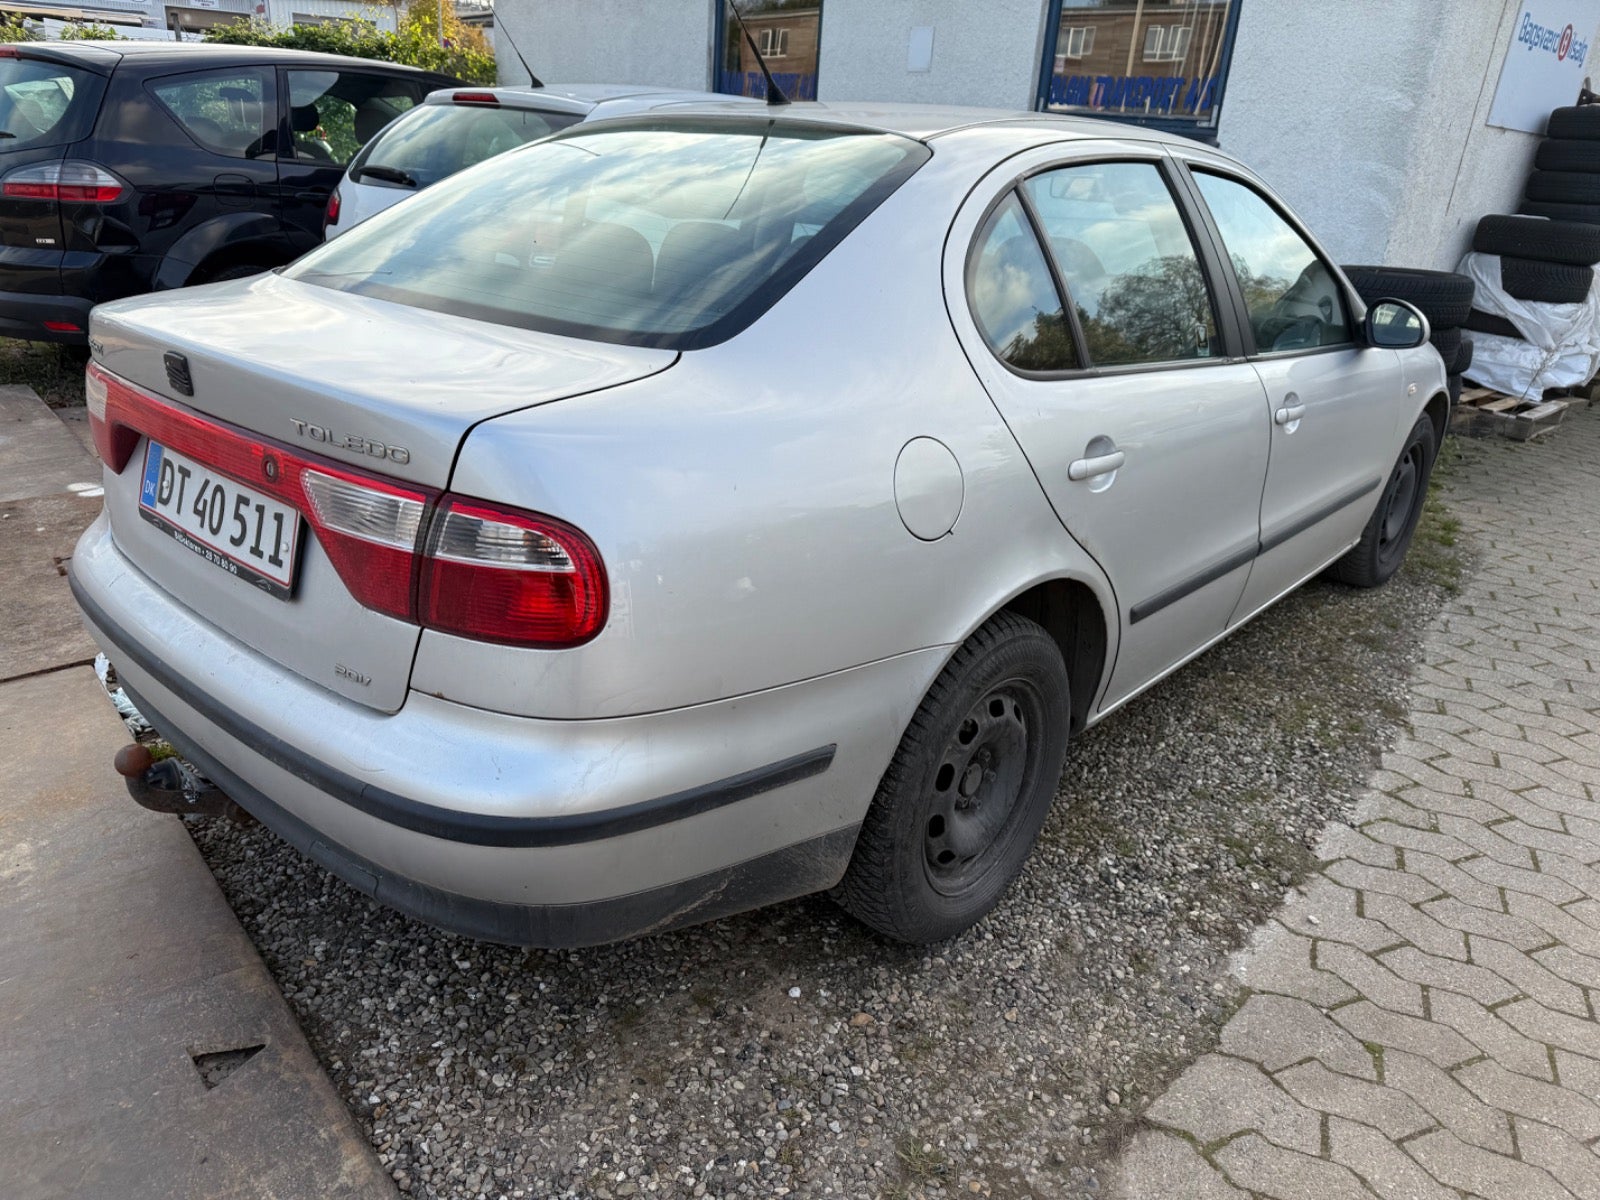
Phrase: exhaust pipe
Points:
(162, 787)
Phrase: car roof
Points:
(162, 54)
(616, 99)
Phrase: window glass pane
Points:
(334, 113)
(1013, 297)
(1294, 300)
(229, 112)
(636, 233)
(786, 33)
(1140, 58)
(440, 139)
(1128, 263)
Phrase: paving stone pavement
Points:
(1421, 1019)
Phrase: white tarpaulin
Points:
(1546, 62)
(1562, 341)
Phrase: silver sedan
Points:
(686, 513)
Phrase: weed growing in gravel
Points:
(55, 372)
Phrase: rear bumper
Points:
(23, 315)
(533, 832)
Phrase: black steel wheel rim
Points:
(975, 799)
(1400, 501)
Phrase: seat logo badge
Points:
(350, 441)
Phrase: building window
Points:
(786, 34)
(774, 43)
(1157, 62)
(1166, 43)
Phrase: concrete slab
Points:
(42, 629)
(39, 455)
(119, 962)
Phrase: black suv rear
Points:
(130, 167)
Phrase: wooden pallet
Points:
(1484, 412)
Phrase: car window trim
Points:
(1188, 167)
(1227, 318)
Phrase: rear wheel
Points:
(968, 789)
(1387, 537)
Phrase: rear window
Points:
(675, 234)
(437, 140)
(45, 103)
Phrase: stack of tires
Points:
(1444, 297)
(1565, 184)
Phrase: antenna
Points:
(775, 96)
(533, 80)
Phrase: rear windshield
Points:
(437, 140)
(675, 234)
(45, 103)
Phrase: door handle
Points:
(1100, 464)
(1289, 414)
(313, 195)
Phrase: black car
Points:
(127, 167)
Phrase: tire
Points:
(1452, 385)
(1564, 187)
(1463, 358)
(927, 863)
(1387, 537)
(1545, 283)
(1575, 122)
(1479, 321)
(1448, 343)
(1443, 297)
(1584, 214)
(1537, 238)
(1568, 154)
(237, 271)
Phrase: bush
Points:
(466, 53)
(89, 31)
(14, 29)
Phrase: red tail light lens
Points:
(69, 181)
(498, 575)
(331, 217)
(475, 98)
(487, 573)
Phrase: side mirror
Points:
(1396, 325)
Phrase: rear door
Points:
(46, 104)
(1147, 435)
(329, 114)
(1330, 400)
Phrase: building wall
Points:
(1378, 139)
(984, 53)
(665, 43)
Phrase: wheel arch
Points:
(1074, 616)
(1437, 411)
(223, 242)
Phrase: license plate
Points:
(251, 536)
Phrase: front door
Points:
(1331, 399)
(1149, 440)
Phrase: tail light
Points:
(331, 217)
(71, 182)
(475, 98)
(457, 565)
(497, 575)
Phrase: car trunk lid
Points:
(327, 379)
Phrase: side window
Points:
(231, 112)
(1294, 300)
(334, 113)
(1128, 263)
(1013, 298)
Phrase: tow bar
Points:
(163, 786)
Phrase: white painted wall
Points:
(1378, 138)
(985, 53)
(666, 43)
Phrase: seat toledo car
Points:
(685, 513)
(456, 128)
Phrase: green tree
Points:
(90, 31)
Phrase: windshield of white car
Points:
(670, 233)
(434, 141)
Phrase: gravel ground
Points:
(788, 1051)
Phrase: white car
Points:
(459, 127)
(693, 511)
